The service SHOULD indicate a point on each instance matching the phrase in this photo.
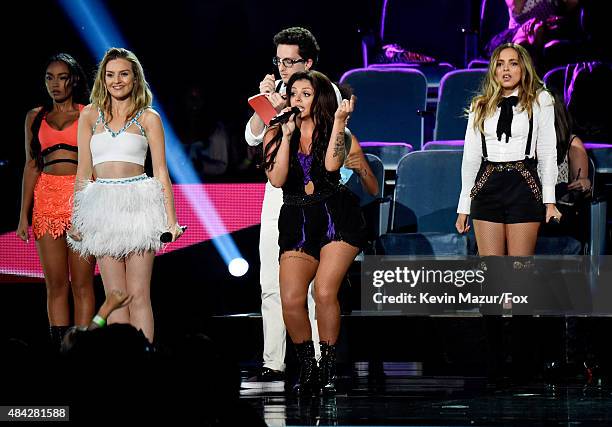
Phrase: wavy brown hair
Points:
(141, 94)
(486, 102)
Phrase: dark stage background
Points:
(224, 48)
(221, 47)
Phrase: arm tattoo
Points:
(339, 147)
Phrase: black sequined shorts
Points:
(308, 228)
(508, 193)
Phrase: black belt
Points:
(527, 168)
(60, 146)
(309, 199)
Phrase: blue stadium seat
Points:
(478, 64)
(600, 155)
(457, 89)
(375, 208)
(354, 183)
(387, 105)
(389, 153)
(452, 144)
(555, 80)
(558, 245)
(434, 72)
(424, 206)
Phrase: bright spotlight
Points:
(238, 267)
(96, 25)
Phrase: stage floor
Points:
(400, 396)
(394, 370)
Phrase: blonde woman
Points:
(119, 217)
(509, 137)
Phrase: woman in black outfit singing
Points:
(321, 227)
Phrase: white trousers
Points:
(274, 332)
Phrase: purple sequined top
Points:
(306, 163)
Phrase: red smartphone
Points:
(263, 107)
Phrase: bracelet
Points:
(99, 320)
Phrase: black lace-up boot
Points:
(56, 335)
(327, 369)
(307, 379)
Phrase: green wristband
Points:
(99, 320)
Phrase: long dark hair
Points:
(563, 128)
(80, 95)
(324, 105)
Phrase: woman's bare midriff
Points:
(63, 168)
(112, 170)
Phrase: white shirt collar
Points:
(515, 92)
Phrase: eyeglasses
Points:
(287, 62)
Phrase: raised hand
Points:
(582, 184)
(267, 84)
(117, 299)
(289, 126)
(345, 109)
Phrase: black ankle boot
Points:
(327, 369)
(56, 334)
(307, 379)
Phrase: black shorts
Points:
(508, 193)
(308, 228)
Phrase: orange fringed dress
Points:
(53, 194)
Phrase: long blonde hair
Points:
(486, 102)
(141, 93)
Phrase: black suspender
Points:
(527, 147)
(484, 145)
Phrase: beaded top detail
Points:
(122, 146)
(132, 121)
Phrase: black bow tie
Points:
(504, 124)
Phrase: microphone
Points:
(166, 236)
(282, 118)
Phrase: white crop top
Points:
(120, 146)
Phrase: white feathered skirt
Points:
(119, 217)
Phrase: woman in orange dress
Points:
(48, 185)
